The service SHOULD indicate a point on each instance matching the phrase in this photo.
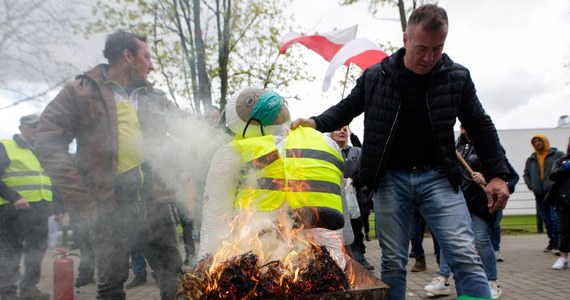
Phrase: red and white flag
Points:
(326, 44)
(361, 52)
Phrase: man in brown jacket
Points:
(120, 124)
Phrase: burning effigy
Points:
(272, 216)
(273, 262)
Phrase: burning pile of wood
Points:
(242, 277)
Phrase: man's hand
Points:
(304, 122)
(497, 194)
(21, 204)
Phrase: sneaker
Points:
(496, 292)
(438, 287)
(561, 263)
(556, 252)
(420, 265)
(499, 256)
(548, 248)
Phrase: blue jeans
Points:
(496, 231)
(550, 219)
(443, 208)
(483, 244)
(138, 262)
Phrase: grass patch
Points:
(518, 224)
(509, 225)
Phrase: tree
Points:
(203, 49)
(30, 33)
(374, 4)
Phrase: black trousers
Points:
(22, 233)
(135, 221)
(564, 230)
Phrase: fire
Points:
(267, 255)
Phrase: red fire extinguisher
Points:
(63, 275)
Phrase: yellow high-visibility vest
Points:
(25, 174)
(309, 174)
(131, 146)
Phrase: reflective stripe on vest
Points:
(262, 186)
(313, 169)
(25, 174)
(308, 176)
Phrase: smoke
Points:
(192, 144)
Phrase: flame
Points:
(278, 240)
(270, 236)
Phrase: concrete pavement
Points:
(525, 274)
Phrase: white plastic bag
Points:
(351, 201)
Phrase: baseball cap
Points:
(29, 120)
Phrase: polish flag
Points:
(326, 44)
(361, 52)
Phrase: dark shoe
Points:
(33, 294)
(139, 280)
(548, 248)
(420, 265)
(83, 280)
(367, 237)
(366, 264)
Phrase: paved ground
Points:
(525, 274)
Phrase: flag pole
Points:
(345, 80)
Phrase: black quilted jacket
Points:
(451, 95)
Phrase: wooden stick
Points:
(466, 165)
(345, 80)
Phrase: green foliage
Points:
(247, 57)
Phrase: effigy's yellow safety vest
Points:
(309, 174)
(25, 174)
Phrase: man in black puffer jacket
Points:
(411, 101)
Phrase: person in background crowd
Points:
(536, 176)
(365, 210)
(472, 185)
(411, 101)
(351, 157)
(138, 264)
(417, 230)
(496, 229)
(119, 179)
(86, 267)
(55, 219)
(25, 205)
(560, 194)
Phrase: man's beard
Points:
(135, 79)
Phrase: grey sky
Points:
(515, 49)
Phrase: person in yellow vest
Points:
(269, 169)
(25, 203)
(117, 177)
